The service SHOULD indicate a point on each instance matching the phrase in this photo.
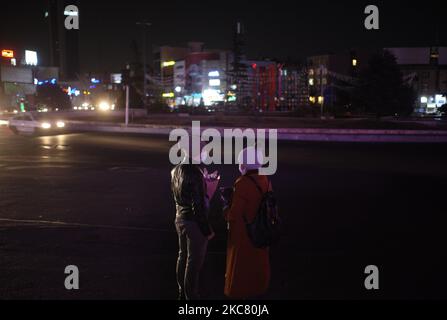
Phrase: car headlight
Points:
(46, 125)
(104, 106)
(60, 124)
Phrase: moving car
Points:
(35, 123)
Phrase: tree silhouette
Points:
(381, 89)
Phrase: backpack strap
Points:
(260, 191)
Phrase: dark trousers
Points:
(192, 251)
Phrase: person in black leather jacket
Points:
(194, 231)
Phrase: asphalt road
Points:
(102, 202)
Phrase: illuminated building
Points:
(330, 76)
(292, 87)
(195, 76)
(262, 80)
(165, 58)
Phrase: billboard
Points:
(16, 74)
(179, 74)
(19, 88)
(116, 78)
(31, 58)
(6, 53)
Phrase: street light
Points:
(145, 26)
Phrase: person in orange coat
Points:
(247, 268)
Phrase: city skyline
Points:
(277, 31)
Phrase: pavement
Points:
(101, 201)
(282, 134)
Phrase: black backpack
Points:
(265, 229)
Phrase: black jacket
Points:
(188, 189)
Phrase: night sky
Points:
(277, 29)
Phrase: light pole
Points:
(127, 104)
(321, 92)
(145, 26)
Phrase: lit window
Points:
(168, 64)
(354, 62)
(214, 82)
(320, 100)
(169, 95)
(213, 74)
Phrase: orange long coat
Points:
(248, 268)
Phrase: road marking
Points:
(83, 225)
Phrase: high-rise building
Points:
(64, 44)
(238, 74)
